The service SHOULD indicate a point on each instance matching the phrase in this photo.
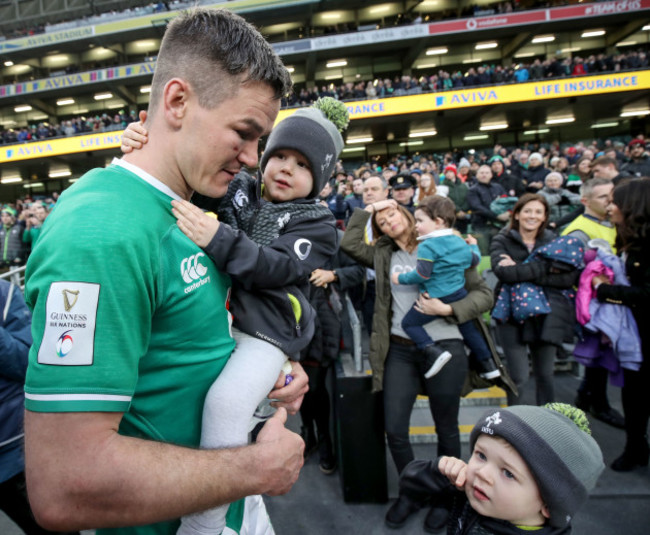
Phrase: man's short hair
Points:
(215, 51)
(605, 160)
(588, 187)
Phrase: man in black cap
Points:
(639, 162)
(403, 188)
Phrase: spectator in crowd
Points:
(560, 164)
(629, 211)
(11, 239)
(607, 167)
(463, 170)
(395, 360)
(594, 224)
(457, 192)
(15, 339)
(513, 185)
(402, 189)
(535, 173)
(426, 188)
(539, 335)
(560, 200)
(485, 222)
(638, 163)
(329, 286)
(520, 164)
(443, 258)
(327, 197)
(346, 203)
(118, 488)
(34, 219)
(579, 174)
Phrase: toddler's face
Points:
(287, 176)
(424, 224)
(500, 485)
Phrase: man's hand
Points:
(195, 224)
(135, 135)
(471, 240)
(283, 456)
(455, 470)
(290, 396)
(394, 278)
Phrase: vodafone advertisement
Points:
(538, 16)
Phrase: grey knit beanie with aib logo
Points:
(556, 444)
(314, 132)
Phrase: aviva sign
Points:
(500, 94)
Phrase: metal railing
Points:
(16, 276)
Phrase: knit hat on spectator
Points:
(556, 443)
(495, 158)
(450, 167)
(9, 210)
(314, 132)
(464, 162)
(536, 156)
(636, 141)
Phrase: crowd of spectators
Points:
(367, 89)
(67, 128)
(94, 16)
(481, 75)
(473, 180)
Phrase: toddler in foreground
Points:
(531, 469)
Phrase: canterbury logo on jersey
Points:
(302, 248)
(192, 269)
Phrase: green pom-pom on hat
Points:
(576, 415)
(335, 111)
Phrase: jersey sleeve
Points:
(92, 292)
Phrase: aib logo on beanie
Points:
(493, 419)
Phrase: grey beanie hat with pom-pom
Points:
(556, 444)
(312, 132)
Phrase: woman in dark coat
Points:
(629, 210)
(539, 334)
(327, 296)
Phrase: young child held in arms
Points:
(270, 236)
(443, 257)
(531, 469)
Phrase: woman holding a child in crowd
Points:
(540, 334)
(397, 364)
(629, 210)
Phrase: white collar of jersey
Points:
(437, 233)
(149, 179)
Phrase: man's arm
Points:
(82, 474)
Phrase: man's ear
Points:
(545, 512)
(175, 100)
